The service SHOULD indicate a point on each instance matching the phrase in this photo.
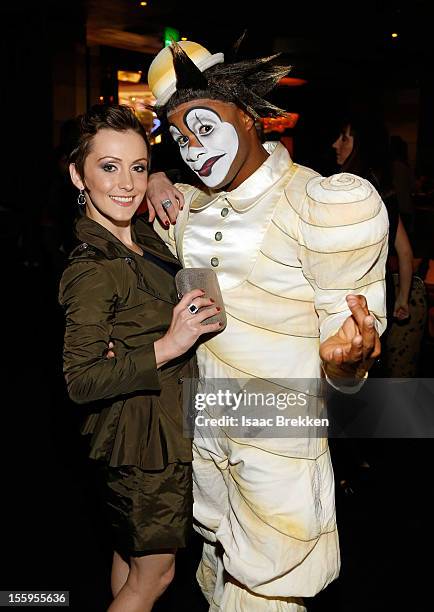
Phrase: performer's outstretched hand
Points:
(354, 348)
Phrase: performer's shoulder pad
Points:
(340, 199)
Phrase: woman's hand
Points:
(401, 309)
(160, 189)
(185, 327)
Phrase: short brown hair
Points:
(103, 116)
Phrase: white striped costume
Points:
(287, 246)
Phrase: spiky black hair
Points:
(243, 83)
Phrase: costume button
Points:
(83, 246)
(224, 211)
(180, 381)
(128, 260)
(214, 262)
(218, 236)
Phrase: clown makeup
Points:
(207, 144)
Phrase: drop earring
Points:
(81, 200)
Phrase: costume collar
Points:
(248, 194)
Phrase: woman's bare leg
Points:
(119, 575)
(148, 578)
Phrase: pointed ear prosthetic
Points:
(188, 75)
(162, 78)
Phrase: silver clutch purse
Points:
(202, 278)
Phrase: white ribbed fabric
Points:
(292, 245)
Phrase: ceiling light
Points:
(130, 77)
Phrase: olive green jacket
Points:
(110, 293)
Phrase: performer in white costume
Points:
(298, 258)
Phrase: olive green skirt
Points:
(148, 510)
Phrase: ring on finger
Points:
(192, 308)
(166, 204)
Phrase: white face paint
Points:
(218, 144)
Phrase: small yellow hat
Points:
(161, 74)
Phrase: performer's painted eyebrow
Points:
(201, 123)
(196, 108)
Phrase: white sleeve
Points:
(343, 237)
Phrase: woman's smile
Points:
(122, 200)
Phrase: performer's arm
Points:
(343, 249)
(161, 189)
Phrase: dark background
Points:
(52, 536)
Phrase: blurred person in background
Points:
(362, 148)
(404, 181)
